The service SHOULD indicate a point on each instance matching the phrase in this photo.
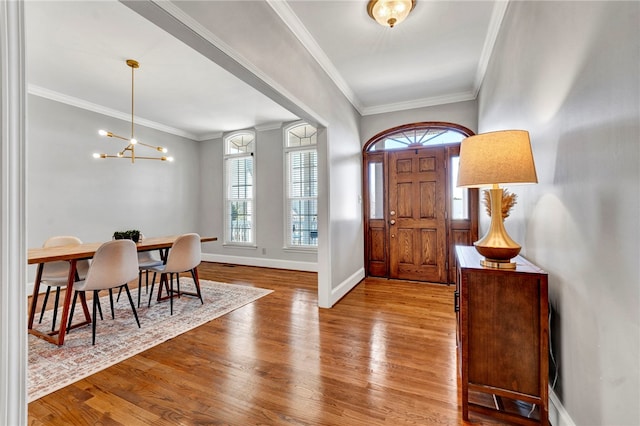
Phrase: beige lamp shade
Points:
(496, 158)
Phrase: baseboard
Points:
(558, 416)
(262, 262)
(345, 286)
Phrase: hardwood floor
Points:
(384, 355)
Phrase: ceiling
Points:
(76, 52)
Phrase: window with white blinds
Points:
(239, 188)
(301, 162)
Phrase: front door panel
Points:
(417, 221)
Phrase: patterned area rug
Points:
(52, 367)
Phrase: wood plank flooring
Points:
(384, 355)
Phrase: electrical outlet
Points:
(264, 251)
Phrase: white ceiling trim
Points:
(268, 126)
(291, 20)
(420, 103)
(89, 106)
(298, 29)
(499, 10)
(209, 136)
(301, 109)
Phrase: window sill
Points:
(240, 246)
(301, 249)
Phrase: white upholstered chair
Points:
(184, 256)
(146, 260)
(114, 265)
(56, 274)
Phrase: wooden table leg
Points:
(67, 302)
(34, 297)
(59, 340)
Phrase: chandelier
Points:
(129, 151)
(389, 13)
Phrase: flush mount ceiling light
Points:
(389, 13)
(130, 150)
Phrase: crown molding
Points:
(209, 136)
(89, 106)
(499, 10)
(288, 16)
(268, 126)
(291, 20)
(419, 103)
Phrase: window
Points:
(239, 188)
(301, 162)
(417, 136)
(460, 196)
(376, 190)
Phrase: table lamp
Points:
(490, 160)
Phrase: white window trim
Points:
(286, 150)
(227, 240)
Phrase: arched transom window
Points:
(416, 136)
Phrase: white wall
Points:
(462, 113)
(249, 40)
(71, 193)
(569, 73)
(269, 207)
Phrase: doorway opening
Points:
(414, 214)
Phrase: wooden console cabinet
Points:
(503, 338)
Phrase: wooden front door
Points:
(417, 215)
(414, 214)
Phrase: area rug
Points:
(52, 367)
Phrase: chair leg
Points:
(139, 286)
(55, 309)
(163, 278)
(73, 309)
(94, 320)
(100, 310)
(100, 306)
(160, 284)
(118, 297)
(44, 304)
(178, 282)
(113, 312)
(196, 281)
(133, 308)
(171, 295)
(151, 294)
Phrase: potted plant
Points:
(132, 234)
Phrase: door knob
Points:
(392, 212)
(392, 221)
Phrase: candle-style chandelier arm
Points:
(131, 141)
(163, 158)
(157, 148)
(112, 135)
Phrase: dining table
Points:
(71, 254)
